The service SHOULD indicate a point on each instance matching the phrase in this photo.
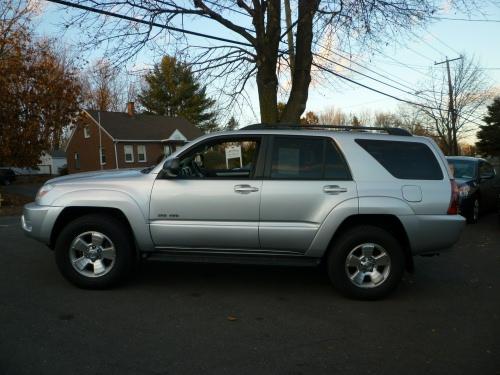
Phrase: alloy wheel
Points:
(368, 265)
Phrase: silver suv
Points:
(362, 201)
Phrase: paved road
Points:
(173, 319)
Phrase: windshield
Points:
(463, 168)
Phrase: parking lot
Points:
(226, 319)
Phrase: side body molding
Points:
(108, 198)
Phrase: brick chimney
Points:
(130, 109)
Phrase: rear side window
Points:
(404, 160)
(307, 158)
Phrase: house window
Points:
(141, 153)
(77, 160)
(86, 132)
(102, 155)
(129, 153)
(167, 150)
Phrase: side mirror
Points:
(172, 167)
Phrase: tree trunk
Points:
(267, 84)
(301, 77)
(268, 38)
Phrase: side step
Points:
(192, 257)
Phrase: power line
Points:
(390, 95)
(398, 81)
(427, 43)
(443, 43)
(369, 77)
(466, 19)
(373, 89)
(149, 23)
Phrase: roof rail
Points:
(391, 131)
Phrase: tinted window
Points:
(335, 165)
(486, 169)
(465, 169)
(307, 159)
(221, 159)
(404, 160)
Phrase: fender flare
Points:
(115, 199)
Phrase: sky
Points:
(405, 61)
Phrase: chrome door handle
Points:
(245, 189)
(334, 189)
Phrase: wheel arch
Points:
(71, 213)
(387, 222)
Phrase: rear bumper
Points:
(37, 221)
(430, 233)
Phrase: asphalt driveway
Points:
(218, 319)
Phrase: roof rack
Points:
(391, 131)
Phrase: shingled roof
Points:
(122, 126)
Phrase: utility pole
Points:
(451, 106)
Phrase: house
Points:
(51, 162)
(112, 140)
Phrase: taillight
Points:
(453, 208)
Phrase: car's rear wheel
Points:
(94, 251)
(366, 262)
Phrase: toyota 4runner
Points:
(362, 201)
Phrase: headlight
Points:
(43, 190)
(464, 190)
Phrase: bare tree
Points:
(103, 87)
(334, 116)
(469, 93)
(257, 43)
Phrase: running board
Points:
(275, 260)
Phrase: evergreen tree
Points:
(172, 90)
(232, 124)
(489, 135)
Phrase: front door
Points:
(305, 178)
(214, 201)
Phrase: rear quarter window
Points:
(404, 160)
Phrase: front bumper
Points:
(37, 221)
(431, 233)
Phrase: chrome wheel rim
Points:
(368, 265)
(92, 254)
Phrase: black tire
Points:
(385, 243)
(473, 216)
(122, 243)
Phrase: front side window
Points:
(141, 153)
(312, 158)
(86, 132)
(129, 153)
(221, 159)
(486, 170)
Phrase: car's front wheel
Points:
(366, 262)
(94, 251)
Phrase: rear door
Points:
(305, 178)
